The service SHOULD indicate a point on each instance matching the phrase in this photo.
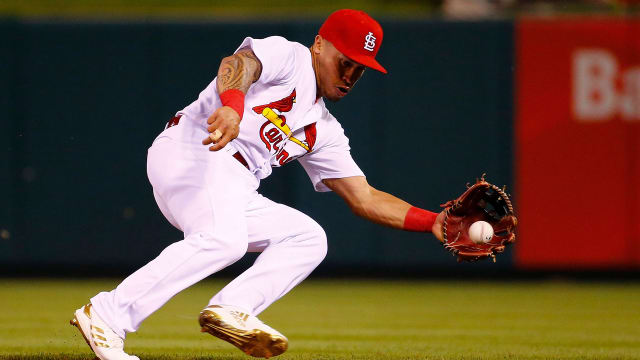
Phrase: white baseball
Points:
(480, 232)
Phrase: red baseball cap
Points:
(356, 35)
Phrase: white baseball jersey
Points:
(282, 120)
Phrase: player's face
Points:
(336, 74)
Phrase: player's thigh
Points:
(271, 223)
(200, 192)
(164, 208)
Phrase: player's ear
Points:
(317, 44)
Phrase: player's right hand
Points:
(436, 229)
(224, 126)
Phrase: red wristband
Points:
(234, 99)
(419, 220)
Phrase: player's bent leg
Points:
(179, 266)
(194, 192)
(289, 255)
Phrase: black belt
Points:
(176, 120)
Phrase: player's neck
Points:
(314, 64)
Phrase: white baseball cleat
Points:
(242, 330)
(105, 343)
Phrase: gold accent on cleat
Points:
(87, 310)
(255, 342)
(97, 329)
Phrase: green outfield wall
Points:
(80, 103)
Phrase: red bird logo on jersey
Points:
(275, 130)
(282, 105)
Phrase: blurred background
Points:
(543, 96)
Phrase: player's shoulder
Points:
(275, 41)
(276, 48)
(293, 48)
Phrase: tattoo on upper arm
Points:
(239, 71)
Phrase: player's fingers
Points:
(224, 140)
(213, 117)
(217, 146)
(216, 125)
(212, 129)
(213, 137)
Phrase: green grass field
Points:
(354, 319)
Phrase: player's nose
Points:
(351, 76)
(348, 78)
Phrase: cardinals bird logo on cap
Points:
(369, 41)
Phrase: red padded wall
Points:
(578, 143)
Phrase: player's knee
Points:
(236, 249)
(233, 247)
(319, 240)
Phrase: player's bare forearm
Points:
(384, 209)
(238, 71)
(370, 203)
(235, 76)
(378, 206)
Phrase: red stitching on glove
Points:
(233, 98)
(419, 220)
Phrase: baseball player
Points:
(265, 108)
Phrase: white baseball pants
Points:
(213, 199)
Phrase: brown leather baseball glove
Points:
(481, 202)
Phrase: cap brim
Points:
(369, 62)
